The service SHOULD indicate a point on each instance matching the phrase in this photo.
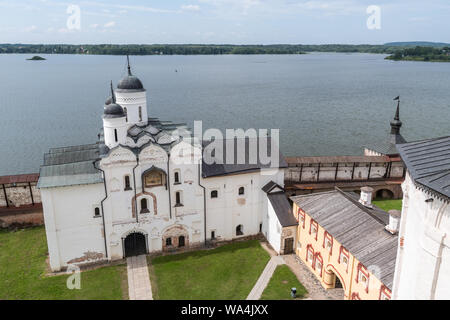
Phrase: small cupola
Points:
(113, 110)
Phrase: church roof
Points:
(111, 108)
(388, 145)
(428, 163)
(69, 166)
(130, 82)
(359, 229)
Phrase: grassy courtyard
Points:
(228, 272)
(22, 272)
(279, 287)
(387, 205)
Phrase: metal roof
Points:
(359, 229)
(428, 163)
(70, 166)
(248, 164)
(282, 208)
(388, 146)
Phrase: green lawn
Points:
(22, 272)
(228, 272)
(387, 205)
(279, 287)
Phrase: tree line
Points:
(190, 49)
(422, 54)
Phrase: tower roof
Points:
(113, 110)
(388, 147)
(130, 82)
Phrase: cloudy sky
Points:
(222, 21)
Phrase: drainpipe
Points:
(168, 185)
(204, 201)
(6, 196)
(135, 192)
(101, 204)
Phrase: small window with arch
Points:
(97, 212)
(214, 194)
(241, 191)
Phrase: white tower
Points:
(132, 96)
(114, 123)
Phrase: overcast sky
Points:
(222, 21)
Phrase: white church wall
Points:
(423, 261)
(75, 234)
(132, 101)
(272, 229)
(230, 209)
(113, 127)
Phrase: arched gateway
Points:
(135, 244)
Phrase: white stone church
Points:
(144, 187)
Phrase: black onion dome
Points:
(130, 82)
(113, 110)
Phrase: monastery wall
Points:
(327, 172)
(19, 194)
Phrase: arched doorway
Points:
(135, 244)
(384, 194)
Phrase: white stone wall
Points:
(328, 171)
(109, 126)
(71, 228)
(423, 261)
(132, 101)
(272, 228)
(230, 209)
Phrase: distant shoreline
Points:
(193, 49)
(422, 54)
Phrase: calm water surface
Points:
(323, 104)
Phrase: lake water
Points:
(323, 103)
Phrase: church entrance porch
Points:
(175, 237)
(135, 244)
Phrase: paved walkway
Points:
(264, 279)
(310, 282)
(139, 287)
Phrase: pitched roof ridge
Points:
(360, 205)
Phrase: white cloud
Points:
(94, 26)
(190, 7)
(110, 24)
